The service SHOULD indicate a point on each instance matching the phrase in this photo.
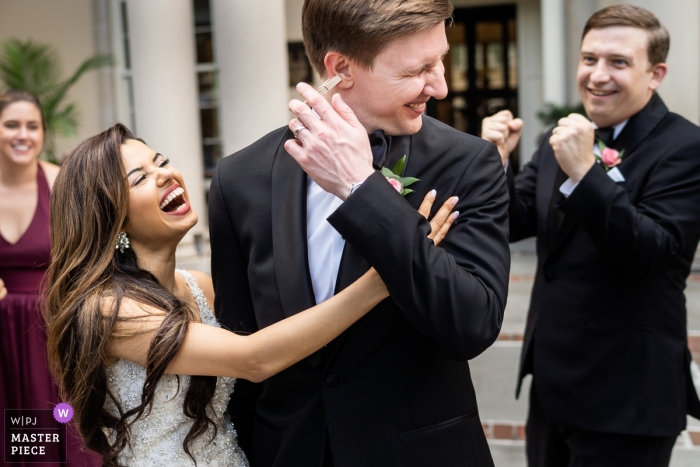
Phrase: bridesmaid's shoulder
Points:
(50, 170)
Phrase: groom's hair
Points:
(360, 29)
(636, 17)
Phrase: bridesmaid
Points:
(25, 187)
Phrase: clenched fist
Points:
(572, 141)
(502, 130)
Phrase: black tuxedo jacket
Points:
(395, 389)
(606, 335)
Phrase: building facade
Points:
(200, 79)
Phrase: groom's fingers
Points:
(344, 111)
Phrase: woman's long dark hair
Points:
(87, 280)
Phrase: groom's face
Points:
(392, 95)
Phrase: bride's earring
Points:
(122, 242)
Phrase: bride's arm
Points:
(207, 350)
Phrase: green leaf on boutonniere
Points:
(394, 177)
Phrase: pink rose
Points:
(396, 184)
(610, 157)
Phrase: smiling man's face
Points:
(406, 73)
(615, 78)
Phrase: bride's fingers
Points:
(3, 290)
(442, 233)
(427, 203)
(441, 216)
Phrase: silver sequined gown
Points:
(156, 439)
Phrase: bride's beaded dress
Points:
(156, 438)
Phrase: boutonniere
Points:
(394, 177)
(609, 157)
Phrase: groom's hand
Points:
(333, 148)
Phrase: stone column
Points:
(251, 54)
(554, 52)
(161, 34)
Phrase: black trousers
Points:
(553, 445)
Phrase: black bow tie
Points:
(605, 135)
(380, 147)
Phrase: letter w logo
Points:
(63, 413)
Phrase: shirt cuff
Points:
(567, 187)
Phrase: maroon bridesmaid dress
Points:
(25, 381)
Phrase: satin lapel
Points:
(640, 125)
(289, 243)
(352, 264)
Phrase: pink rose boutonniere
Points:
(609, 157)
(394, 177)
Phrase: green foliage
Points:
(551, 113)
(396, 173)
(36, 68)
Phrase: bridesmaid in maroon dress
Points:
(25, 188)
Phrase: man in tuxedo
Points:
(606, 337)
(395, 389)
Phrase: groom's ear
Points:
(338, 64)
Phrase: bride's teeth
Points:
(21, 147)
(174, 194)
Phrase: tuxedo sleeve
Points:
(643, 238)
(454, 294)
(232, 303)
(522, 210)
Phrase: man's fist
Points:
(502, 130)
(572, 141)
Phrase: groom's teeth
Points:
(416, 106)
(602, 93)
(174, 194)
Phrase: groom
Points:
(395, 389)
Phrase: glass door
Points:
(480, 69)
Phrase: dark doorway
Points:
(480, 69)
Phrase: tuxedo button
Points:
(549, 276)
(333, 380)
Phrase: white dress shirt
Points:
(569, 186)
(325, 244)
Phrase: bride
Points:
(132, 340)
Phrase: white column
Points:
(161, 34)
(251, 53)
(554, 51)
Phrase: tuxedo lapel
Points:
(352, 264)
(639, 126)
(289, 243)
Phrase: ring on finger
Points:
(555, 130)
(301, 127)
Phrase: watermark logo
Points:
(35, 435)
(63, 412)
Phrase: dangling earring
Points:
(122, 242)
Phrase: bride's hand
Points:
(3, 290)
(442, 220)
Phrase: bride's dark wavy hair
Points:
(87, 280)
